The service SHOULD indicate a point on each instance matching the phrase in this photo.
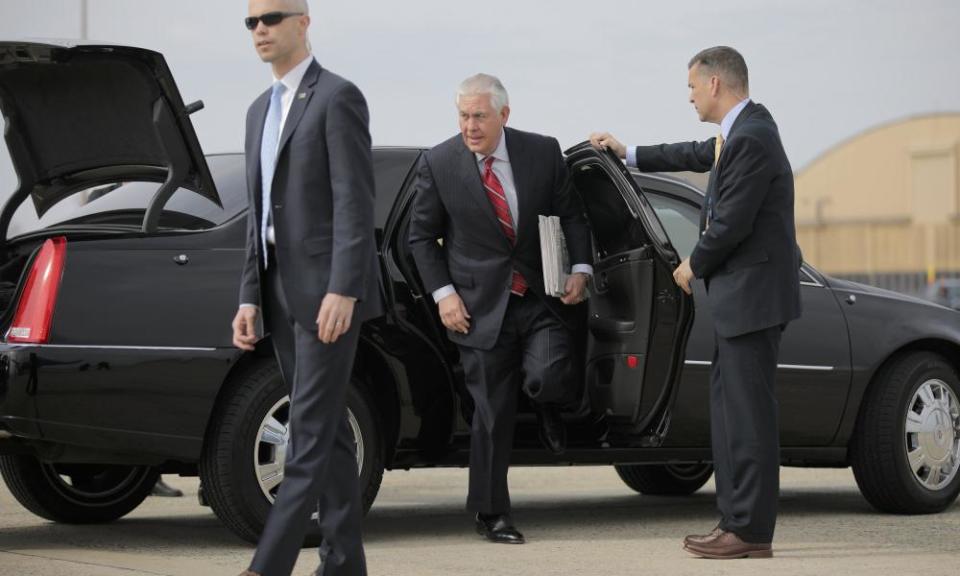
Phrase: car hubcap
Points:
(932, 434)
(273, 436)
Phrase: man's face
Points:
(480, 124)
(701, 93)
(280, 41)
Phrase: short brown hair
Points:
(726, 62)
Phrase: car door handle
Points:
(181, 259)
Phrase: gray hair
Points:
(480, 84)
(727, 63)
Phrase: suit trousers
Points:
(320, 473)
(744, 433)
(533, 352)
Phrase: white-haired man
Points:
(481, 192)
(313, 276)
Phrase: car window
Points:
(614, 228)
(680, 219)
(124, 203)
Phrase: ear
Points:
(504, 114)
(715, 86)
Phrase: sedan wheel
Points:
(932, 434)
(906, 448)
(665, 479)
(77, 493)
(270, 451)
(241, 469)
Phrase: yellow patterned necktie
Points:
(717, 146)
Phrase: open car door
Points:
(639, 318)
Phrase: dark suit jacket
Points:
(323, 199)
(748, 256)
(476, 256)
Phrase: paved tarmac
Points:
(578, 521)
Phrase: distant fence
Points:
(901, 255)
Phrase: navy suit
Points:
(749, 260)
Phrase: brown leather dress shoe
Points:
(701, 538)
(727, 546)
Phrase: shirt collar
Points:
(731, 117)
(500, 153)
(291, 80)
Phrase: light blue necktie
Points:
(268, 157)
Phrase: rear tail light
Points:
(31, 324)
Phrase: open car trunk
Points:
(80, 116)
(638, 318)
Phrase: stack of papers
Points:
(553, 250)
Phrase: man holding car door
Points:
(748, 257)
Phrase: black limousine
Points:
(116, 296)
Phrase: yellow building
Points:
(884, 206)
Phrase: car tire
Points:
(910, 413)
(240, 450)
(665, 479)
(77, 493)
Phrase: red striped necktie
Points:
(498, 200)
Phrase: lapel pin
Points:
(302, 95)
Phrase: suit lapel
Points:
(473, 184)
(521, 181)
(300, 100)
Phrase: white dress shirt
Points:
(725, 125)
(503, 171)
(291, 81)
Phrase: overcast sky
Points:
(827, 69)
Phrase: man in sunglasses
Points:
(312, 276)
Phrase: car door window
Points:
(680, 219)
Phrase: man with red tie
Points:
(480, 193)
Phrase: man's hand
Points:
(574, 289)
(245, 328)
(454, 314)
(605, 140)
(683, 275)
(333, 320)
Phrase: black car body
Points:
(136, 373)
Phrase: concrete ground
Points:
(581, 521)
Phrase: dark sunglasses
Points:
(268, 19)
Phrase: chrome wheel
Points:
(270, 451)
(932, 434)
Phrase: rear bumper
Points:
(119, 405)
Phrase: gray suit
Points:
(322, 201)
(513, 342)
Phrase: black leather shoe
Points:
(553, 433)
(498, 528)
(164, 490)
